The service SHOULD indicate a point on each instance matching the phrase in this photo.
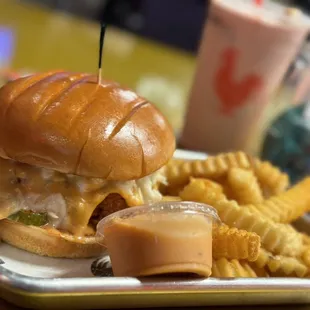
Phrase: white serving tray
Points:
(48, 283)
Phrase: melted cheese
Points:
(69, 200)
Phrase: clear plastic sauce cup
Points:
(162, 238)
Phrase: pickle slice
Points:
(30, 218)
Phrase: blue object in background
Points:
(7, 41)
(287, 143)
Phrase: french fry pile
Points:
(256, 205)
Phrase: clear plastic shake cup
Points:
(244, 54)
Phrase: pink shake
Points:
(244, 54)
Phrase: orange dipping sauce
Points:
(165, 238)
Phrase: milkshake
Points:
(244, 54)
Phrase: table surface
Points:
(46, 39)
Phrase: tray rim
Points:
(16, 281)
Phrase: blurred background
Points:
(149, 18)
(151, 46)
(146, 18)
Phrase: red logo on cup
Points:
(233, 94)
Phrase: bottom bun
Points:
(48, 242)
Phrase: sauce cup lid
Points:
(184, 207)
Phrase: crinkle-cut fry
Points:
(289, 266)
(287, 206)
(272, 179)
(301, 236)
(232, 243)
(210, 188)
(260, 272)
(179, 172)
(171, 198)
(224, 268)
(276, 238)
(306, 257)
(246, 189)
(306, 239)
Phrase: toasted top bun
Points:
(69, 123)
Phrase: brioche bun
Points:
(48, 242)
(69, 123)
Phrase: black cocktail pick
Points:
(101, 41)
